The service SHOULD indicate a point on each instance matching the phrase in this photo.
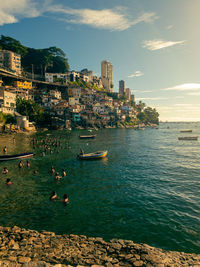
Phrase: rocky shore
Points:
(28, 248)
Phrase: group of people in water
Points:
(47, 145)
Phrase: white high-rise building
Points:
(107, 75)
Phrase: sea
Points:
(147, 189)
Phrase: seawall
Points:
(29, 248)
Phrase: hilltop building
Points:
(107, 75)
(7, 101)
(133, 98)
(88, 73)
(122, 87)
(11, 61)
(128, 94)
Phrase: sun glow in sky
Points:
(153, 45)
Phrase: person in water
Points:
(35, 172)
(20, 165)
(28, 164)
(5, 149)
(5, 170)
(65, 199)
(82, 152)
(58, 177)
(53, 196)
(52, 170)
(8, 182)
(63, 173)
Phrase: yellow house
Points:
(24, 85)
(74, 92)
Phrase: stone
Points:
(12, 258)
(37, 264)
(138, 263)
(24, 259)
(116, 246)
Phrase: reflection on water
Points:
(146, 189)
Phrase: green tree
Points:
(50, 59)
(141, 106)
(152, 115)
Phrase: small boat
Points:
(95, 155)
(186, 131)
(87, 136)
(16, 156)
(188, 138)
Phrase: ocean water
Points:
(146, 190)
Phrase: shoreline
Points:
(29, 248)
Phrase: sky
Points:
(154, 45)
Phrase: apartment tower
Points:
(122, 88)
(11, 61)
(107, 75)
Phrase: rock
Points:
(37, 264)
(28, 248)
(24, 259)
(116, 246)
(138, 263)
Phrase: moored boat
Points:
(95, 155)
(87, 136)
(188, 138)
(16, 156)
(186, 131)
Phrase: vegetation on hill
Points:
(6, 118)
(50, 59)
(148, 115)
(33, 111)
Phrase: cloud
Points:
(169, 27)
(179, 112)
(146, 91)
(184, 87)
(110, 19)
(194, 94)
(136, 74)
(12, 10)
(159, 44)
(116, 19)
(151, 98)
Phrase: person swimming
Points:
(58, 177)
(8, 182)
(65, 199)
(5, 149)
(82, 152)
(63, 173)
(52, 170)
(28, 164)
(20, 165)
(5, 170)
(53, 196)
(35, 172)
